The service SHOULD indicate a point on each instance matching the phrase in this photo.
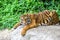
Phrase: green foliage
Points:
(11, 10)
(30, 5)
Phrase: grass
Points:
(11, 10)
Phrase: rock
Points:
(4, 34)
(39, 33)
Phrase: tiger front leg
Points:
(27, 27)
(23, 32)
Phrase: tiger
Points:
(34, 20)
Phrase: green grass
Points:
(11, 10)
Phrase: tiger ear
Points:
(28, 15)
(35, 16)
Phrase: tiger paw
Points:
(23, 33)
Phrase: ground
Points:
(39, 33)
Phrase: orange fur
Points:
(45, 17)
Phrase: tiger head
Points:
(26, 19)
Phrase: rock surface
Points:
(4, 34)
(39, 33)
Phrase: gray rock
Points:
(39, 33)
(5, 34)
